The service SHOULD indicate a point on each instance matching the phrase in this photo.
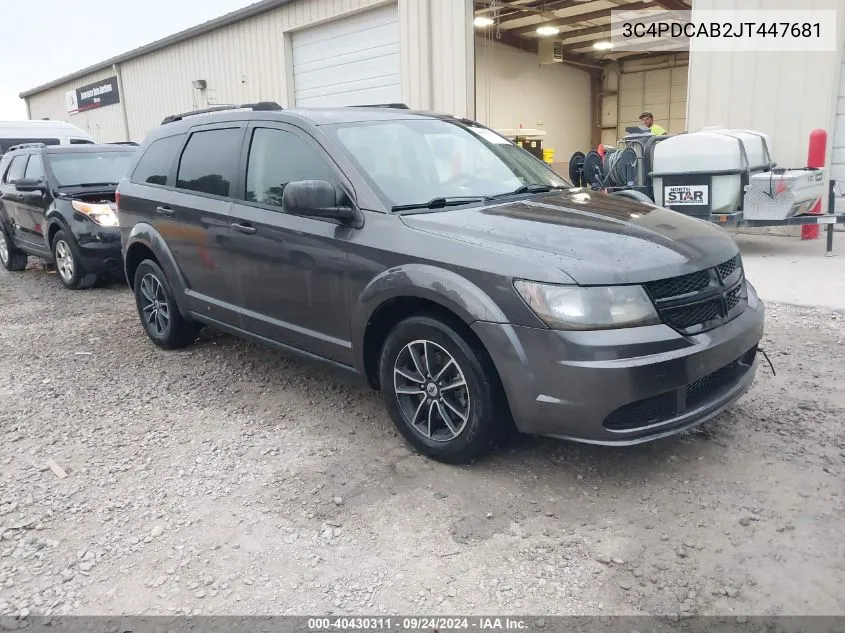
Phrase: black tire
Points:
(158, 311)
(487, 416)
(68, 261)
(11, 257)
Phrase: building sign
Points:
(96, 95)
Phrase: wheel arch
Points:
(405, 291)
(144, 242)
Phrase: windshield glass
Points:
(416, 160)
(89, 167)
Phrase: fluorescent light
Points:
(482, 21)
(546, 30)
(603, 46)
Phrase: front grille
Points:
(699, 301)
(727, 268)
(696, 314)
(732, 297)
(670, 404)
(679, 285)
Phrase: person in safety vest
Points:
(647, 119)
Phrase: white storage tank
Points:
(705, 173)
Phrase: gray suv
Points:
(445, 266)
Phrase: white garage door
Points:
(350, 61)
(663, 92)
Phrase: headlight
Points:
(101, 213)
(588, 308)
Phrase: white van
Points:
(47, 132)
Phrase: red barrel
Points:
(815, 158)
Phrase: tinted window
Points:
(6, 143)
(80, 141)
(209, 161)
(155, 164)
(277, 158)
(34, 168)
(89, 168)
(16, 169)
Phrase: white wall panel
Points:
(513, 89)
(437, 55)
(784, 94)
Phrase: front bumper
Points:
(99, 247)
(623, 386)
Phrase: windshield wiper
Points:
(532, 188)
(91, 184)
(439, 203)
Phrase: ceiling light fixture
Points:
(482, 20)
(547, 30)
(603, 46)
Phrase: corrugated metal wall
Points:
(250, 61)
(104, 124)
(438, 55)
(783, 94)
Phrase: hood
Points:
(596, 238)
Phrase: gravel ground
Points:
(227, 478)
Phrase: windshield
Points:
(413, 161)
(92, 168)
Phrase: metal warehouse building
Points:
(430, 55)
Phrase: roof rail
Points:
(396, 106)
(259, 106)
(124, 143)
(25, 146)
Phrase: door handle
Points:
(243, 228)
(164, 210)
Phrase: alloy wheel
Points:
(64, 261)
(4, 248)
(432, 390)
(154, 308)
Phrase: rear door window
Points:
(34, 168)
(155, 164)
(16, 169)
(80, 141)
(209, 161)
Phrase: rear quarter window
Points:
(155, 164)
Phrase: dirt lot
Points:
(227, 478)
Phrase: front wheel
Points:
(160, 316)
(11, 258)
(442, 390)
(69, 265)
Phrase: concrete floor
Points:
(795, 271)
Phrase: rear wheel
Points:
(68, 262)
(160, 316)
(11, 257)
(441, 390)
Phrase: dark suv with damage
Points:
(57, 203)
(445, 266)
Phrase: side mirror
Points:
(29, 184)
(315, 198)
